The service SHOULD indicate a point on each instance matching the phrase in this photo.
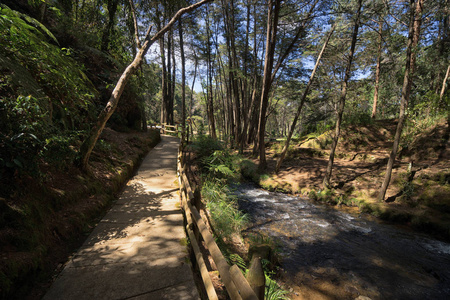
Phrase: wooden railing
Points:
(235, 283)
(166, 128)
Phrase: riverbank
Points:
(421, 203)
(328, 253)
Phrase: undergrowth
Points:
(220, 167)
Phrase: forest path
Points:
(137, 250)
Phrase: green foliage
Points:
(326, 195)
(205, 145)
(59, 150)
(237, 260)
(25, 42)
(222, 165)
(226, 217)
(358, 118)
(249, 170)
(418, 124)
(45, 98)
(274, 291)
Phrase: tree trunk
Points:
(209, 91)
(302, 101)
(106, 38)
(183, 83)
(341, 105)
(377, 72)
(272, 26)
(164, 100)
(173, 82)
(191, 102)
(415, 43)
(444, 84)
(169, 79)
(89, 144)
(406, 90)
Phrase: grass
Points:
(227, 219)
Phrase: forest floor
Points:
(48, 217)
(422, 203)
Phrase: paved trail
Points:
(136, 251)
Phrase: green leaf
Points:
(18, 163)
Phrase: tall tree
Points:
(378, 67)
(341, 104)
(272, 26)
(209, 78)
(444, 84)
(302, 100)
(106, 38)
(183, 83)
(89, 144)
(413, 38)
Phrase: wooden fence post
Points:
(256, 278)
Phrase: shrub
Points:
(204, 146)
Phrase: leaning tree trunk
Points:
(302, 101)
(89, 144)
(406, 90)
(341, 105)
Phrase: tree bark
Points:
(444, 84)
(89, 144)
(209, 91)
(106, 38)
(341, 105)
(169, 98)
(272, 26)
(191, 102)
(135, 24)
(377, 72)
(173, 82)
(415, 42)
(164, 96)
(302, 101)
(183, 83)
(406, 90)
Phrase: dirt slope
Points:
(359, 169)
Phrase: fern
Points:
(16, 17)
(238, 261)
(274, 291)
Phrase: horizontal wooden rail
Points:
(167, 128)
(233, 279)
(209, 287)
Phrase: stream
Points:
(329, 253)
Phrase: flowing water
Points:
(327, 253)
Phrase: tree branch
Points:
(136, 30)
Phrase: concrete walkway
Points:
(137, 249)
